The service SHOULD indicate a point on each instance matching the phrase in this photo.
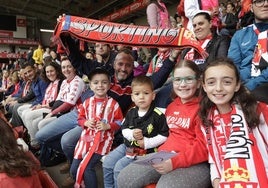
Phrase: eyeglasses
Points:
(259, 3)
(187, 80)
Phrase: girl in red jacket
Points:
(189, 167)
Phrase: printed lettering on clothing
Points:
(238, 144)
(177, 122)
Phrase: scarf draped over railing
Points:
(90, 30)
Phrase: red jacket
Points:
(25, 182)
(185, 135)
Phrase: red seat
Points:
(152, 185)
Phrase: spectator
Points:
(99, 116)
(46, 53)
(70, 91)
(55, 57)
(179, 20)
(235, 125)
(22, 92)
(68, 97)
(229, 24)
(162, 97)
(37, 87)
(215, 45)
(30, 55)
(157, 16)
(14, 84)
(120, 90)
(4, 84)
(248, 50)
(38, 56)
(185, 138)
(144, 129)
(16, 167)
(192, 7)
(31, 117)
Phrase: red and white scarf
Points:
(237, 151)
(26, 88)
(51, 92)
(113, 33)
(191, 55)
(94, 141)
(260, 58)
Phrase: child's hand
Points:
(137, 134)
(164, 167)
(141, 143)
(101, 126)
(91, 124)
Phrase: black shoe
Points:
(34, 149)
(56, 159)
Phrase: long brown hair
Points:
(242, 97)
(13, 160)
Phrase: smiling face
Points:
(67, 69)
(220, 84)
(123, 66)
(202, 27)
(185, 83)
(100, 84)
(30, 72)
(51, 73)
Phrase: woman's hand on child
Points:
(137, 134)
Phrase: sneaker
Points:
(65, 168)
(68, 182)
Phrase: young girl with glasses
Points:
(185, 138)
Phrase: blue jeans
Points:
(89, 177)
(50, 135)
(113, 163)
(69, 141)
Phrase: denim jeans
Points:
(113, 163)
(69, 141)
(51, 134)
(89, 177)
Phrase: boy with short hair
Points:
(99, 116)
(144, 129)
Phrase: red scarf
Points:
(51, 92)
(96, 138)
(191, 55)
(235, 152)
(26, 88)
(260, 59)
(100, 31)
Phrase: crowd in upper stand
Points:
(113, 104)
